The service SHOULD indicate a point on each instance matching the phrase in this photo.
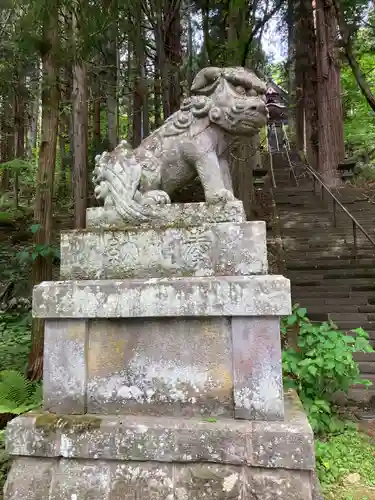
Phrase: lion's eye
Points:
(240, 90)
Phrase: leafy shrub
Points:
(333, 462)
(15, 341)
(17, 394)
(321, 365)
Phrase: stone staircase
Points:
(328, 277)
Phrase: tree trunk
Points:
(111, 61)
(331, 129)
(33, 110)
(190, 54)
(306, 74)
(96, 111)
(138, 80)
(291, 62)
(145, 104)
(206, 33)
(7, 137)
(157, 99)
(42, 267)
(19, 122)
(173, 53)
(80, 141)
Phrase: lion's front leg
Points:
(225, 172)
(210, 174)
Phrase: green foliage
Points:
(320, 365)
(359, 122)
(17, 394)
(347, 453)
(32, 252)
(15, 341)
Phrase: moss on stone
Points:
(70, 423)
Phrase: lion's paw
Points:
(221, 196)
(156, 197)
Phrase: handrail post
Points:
(334, 212)
(354, 238)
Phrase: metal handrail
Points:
(324, 188)
(336, 202)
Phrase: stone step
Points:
(333, 303)
(318, 292)
(327, 274)
(367, 357)
(332, 264)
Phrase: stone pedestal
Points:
(162, 368)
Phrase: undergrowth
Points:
(344, 454)
(320, 365)
(15, 340)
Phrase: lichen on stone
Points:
(69, 423)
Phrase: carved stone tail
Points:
(117, 176)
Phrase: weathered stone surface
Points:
(278, 484)
(286, 445)
(219, 249)
(162, 367)
(29, 479)
(208, 482)
(158, 297)
(271, 442)
(177, 214)
(69, 479)
(65, 370)
(258, 384)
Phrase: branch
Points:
(354, 66)
(258, 26)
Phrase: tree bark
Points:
(80, 136)
(291, 67)
(331, 129)
(7, 136)
(42, 267)
(33, 110)
(157, 99)
(19, 122)
(306, 78)
(111, 59)
(138, 80)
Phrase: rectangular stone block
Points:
(267, 295)
(70, 479)
(278, 484)
(208, 482)
(65, 366)
(258, 382)
(29, 479)
(176, 214)
(269, 445)
(160, 367)
(219, 249)
(75, 479)
(288, 444)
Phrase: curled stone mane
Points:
(195, 107)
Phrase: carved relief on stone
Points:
(226, 102)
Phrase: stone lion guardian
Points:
(225, 103)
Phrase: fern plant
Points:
(17, 394)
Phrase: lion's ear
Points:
(205, 80)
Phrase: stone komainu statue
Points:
(226, 102)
